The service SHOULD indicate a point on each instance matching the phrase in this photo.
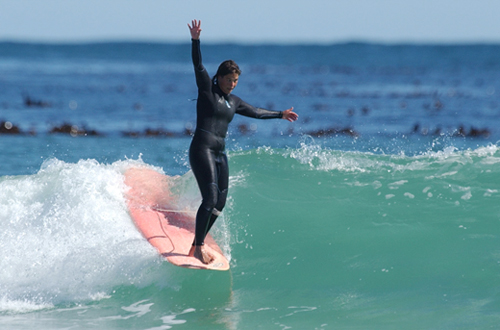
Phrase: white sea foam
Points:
(324, 159)
(66, 235)
(21, 306)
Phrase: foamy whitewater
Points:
(66, 234)
(378, 209)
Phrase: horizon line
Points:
(256, 42)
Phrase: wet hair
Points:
(225, 68)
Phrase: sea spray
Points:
(66, 234)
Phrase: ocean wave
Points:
(66, 234)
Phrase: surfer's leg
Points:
(204, 164)
(202, 221)
(216, 212)
(223, 184)
(204, 167)
(205, 211)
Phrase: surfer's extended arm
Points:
(248, 110)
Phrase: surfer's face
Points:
(228, 82)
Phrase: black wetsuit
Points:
(214, 112)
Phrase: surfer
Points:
(215, 108)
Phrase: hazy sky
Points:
(248, 21)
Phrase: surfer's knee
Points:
(215, 200)
(221, 201)
(211, 197)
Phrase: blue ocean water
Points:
(377, 209)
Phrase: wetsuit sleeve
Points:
(202, 78)
(248, 110)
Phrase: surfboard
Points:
(153, 208)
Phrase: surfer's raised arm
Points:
(195, 29)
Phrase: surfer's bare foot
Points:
(200, 253)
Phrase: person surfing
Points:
(215, 108)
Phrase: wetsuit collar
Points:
(219, 91)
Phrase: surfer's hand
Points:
(195, 29)
(290, 115)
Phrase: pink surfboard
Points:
(170, 230)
